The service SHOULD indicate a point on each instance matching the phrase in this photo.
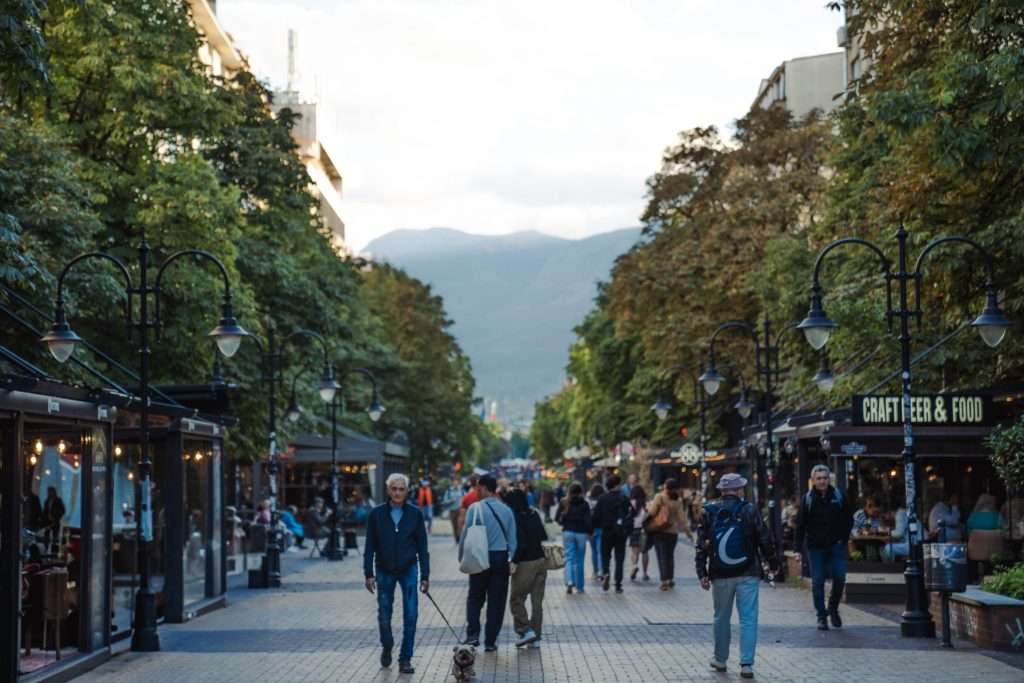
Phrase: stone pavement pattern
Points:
(321, 627)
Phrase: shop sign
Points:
(690, 454)
(940, 410)
(853, 448)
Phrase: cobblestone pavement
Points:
(321, 626)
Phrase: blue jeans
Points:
(386, 583)
(595, 551)
(575, 554)
(825, 563)
(744, 591)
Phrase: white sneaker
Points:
(746, 671)
(718, 666)
(527, 638)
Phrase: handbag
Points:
(554, 556)
(659, 522)
(474, 555)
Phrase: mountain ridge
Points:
(514, 300)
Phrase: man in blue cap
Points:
(732, 541)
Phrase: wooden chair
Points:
(313, 532)
(55, 585)
(983, 545)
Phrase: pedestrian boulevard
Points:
(321, 627)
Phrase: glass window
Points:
(197, 515)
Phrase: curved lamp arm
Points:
(376, 410)
(953, 239)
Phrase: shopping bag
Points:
(554, 556)
(475, 556)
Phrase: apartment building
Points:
(218, 50)
(804, 84)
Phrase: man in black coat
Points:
(396, 538)
(824, 522)
(614, 517)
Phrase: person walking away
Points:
(614, 517)
(491, 585)
(425, 501)
(547, 501)
(732, 542)
(574, 517)
(639, 552)
(666, 521)
(823, 524)
(468, 499)
(596, 492)
(529, 570)
(396, 539)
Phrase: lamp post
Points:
(375, 410)
(991, 324)
(61, 341)
(271, 377)
(766, 359)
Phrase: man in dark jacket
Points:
(396, 538)
(733, 569)
(824, 522)
(613, 516)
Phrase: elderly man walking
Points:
(732, 539)
(491, 585)
(396, 538)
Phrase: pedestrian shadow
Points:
(341, 586)
(287, 640)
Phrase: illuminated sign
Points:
(940, 410)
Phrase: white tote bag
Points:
(475, 549)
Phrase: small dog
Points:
(462, 662)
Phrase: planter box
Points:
(989, 620)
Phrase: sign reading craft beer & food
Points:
(938, 410)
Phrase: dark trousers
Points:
(489, 587)
(386, 583)
(613, 539)
(665, 547)
(830, 562)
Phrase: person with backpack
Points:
(614, 516)
(824, 523)
(732, 543)
(529, 570)
(596, 491)
(574, 516)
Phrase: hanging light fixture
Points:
(662, 409)
(992, 325)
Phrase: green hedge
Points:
(1008, 582)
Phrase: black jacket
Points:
(613, 508)
(756, 530)
(395, 549)
(530, 534)
(575, 516)
(827, 521)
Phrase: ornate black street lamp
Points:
(375, 410)
(766, 360)
(991, 324)
(61, 341)
(271, 377)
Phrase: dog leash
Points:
(438, 608)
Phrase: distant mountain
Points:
(514, 299)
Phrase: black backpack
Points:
(623, 516)
(732, 552)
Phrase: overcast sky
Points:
(497, 116)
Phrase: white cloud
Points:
(492, 116)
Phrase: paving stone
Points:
(321, 626)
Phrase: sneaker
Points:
(490, 648)
(822, 624)
(646, 577)
(746, 671)
(605, 583)
(385, 658)
(632, 574)
(836, 621)
(568, 589)
(618, 589)
(475, 642)
(406, 668)
(718, 666)
(526, 638)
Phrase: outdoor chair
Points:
(982, 546)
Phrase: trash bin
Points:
(945, 567)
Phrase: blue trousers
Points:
(743, 590)
(386, 583)
(595, 552)
(575, 555)
(825, 563)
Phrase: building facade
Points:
(804, 84)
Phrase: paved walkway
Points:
(322, 627)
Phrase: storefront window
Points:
(53, 572)
(197, 457)
(124, 551)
